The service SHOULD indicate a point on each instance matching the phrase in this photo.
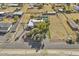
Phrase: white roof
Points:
(52, 12)
(2, 12)
(60, 9)
(34, 20)
(12, 4)
(18, 13)
(30, 24)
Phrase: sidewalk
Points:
(32, 52)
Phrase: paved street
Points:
(59, 45)
(20, 44)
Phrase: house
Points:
(72, 24)
(9, 15)
(19, 13)
(13, 14)
(76, 8)
(5, 27)
(2, 14)
(13, 4)
(31, 6)
(32, 22)
(50, 13)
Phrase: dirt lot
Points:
(59, 29)
(55, 29)
(8, 9)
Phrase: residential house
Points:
(5, 27)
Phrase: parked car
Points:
(50, 13)
(60, 10)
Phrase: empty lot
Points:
(59, 29)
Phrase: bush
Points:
(16, 18)
(70, 41)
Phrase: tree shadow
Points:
(34, 44)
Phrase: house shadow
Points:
(2, 34)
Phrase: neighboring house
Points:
(3, 6)
(19, 13)
(72, 24)
(31, 6)
(13, 4)
(5, 27)
(34, 5)
(13, 14)
(9, 15)
(2, 14)
(76, 8)
(50, 13)
(36, 21)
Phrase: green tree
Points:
(16, 18)
(39, 32)
(43, 26)
(77, 39)
(37, 37)
(34, 32)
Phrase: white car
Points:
(50, 13)
(61, 10)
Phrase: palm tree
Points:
(37, 38)
(36, 35)
(43, 27)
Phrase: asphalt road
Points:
(60, 45)
(20, 44)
